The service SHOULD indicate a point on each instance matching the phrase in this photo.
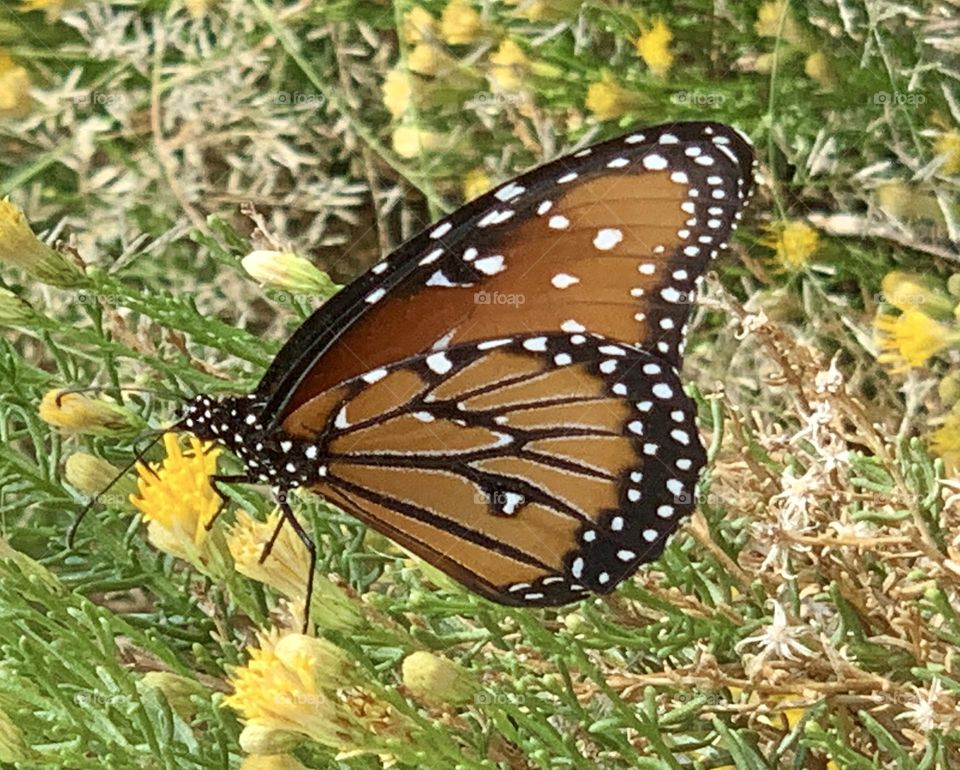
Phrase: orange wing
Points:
(531, 468)
(611, 240)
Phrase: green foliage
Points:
(784, 626)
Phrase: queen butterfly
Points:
(536, 448)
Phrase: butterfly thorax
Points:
(270, 455)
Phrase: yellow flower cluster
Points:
(15, 100)
(947, 147)
(177, 500)
(794, 243)
(295, 686)
(608, 100)
(286, 569)
(653, 46)
(775, 19)
(924, 326)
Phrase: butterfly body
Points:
(536, 450)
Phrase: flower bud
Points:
(287, 570)
(14, 311)
(13, 745)
(178, 691)
(15, 99)
(289, 272)
(906, 291)
(21, 248)
(410, 141)
(271, 762)
(460, 24)
(437, 680)
(92, 475)
(28, 567)
(332, 666)
(426, 59)
(76, 413)
(257, 739)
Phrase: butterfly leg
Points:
(288, 517)
(236, 478)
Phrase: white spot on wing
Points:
(441, 231)
(490, 265)
(607, 238)
(439, 363)
(564, 280)
(654, 162)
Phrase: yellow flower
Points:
(817, 67)
(460, 24)
(418, 25)
(945, 441)
(426, 59)
(436, 680)
(653, 46)
(410, 141)
(947, 147)
(509, 67)
(397, 92)
(794, 243)
(15, 99)
(21, 248)
(906, 292)
(14, 311)
(911, 338)
(286, 570)
(608, 100)
(475, 183)
(769, 17)
(289, 272)
(73, 413)
(296, 684)
(177, 500)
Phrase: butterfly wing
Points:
(610, 240)
(531, 468)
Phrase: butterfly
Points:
(501, 394)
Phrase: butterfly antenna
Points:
(72, 532)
